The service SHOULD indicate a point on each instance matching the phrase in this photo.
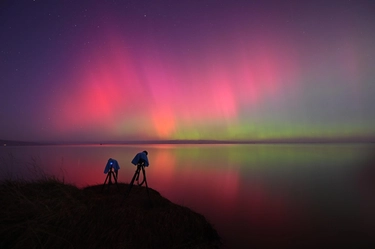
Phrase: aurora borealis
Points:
(187, 70)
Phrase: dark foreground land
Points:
(52, 214)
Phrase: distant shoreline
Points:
(270, 141)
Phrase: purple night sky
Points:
(187, 70)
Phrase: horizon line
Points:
(198, 141)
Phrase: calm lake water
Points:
(256, 196)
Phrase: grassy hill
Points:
(51, 214)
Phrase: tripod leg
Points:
(137, 178)
(136, 174)
(115, 177)
(105, 182)
(145, 180)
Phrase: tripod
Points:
(110, 174)
(140, 166)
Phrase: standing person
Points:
(141, 159)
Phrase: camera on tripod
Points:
(112, 164)
(111, 169)
(141, 161)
